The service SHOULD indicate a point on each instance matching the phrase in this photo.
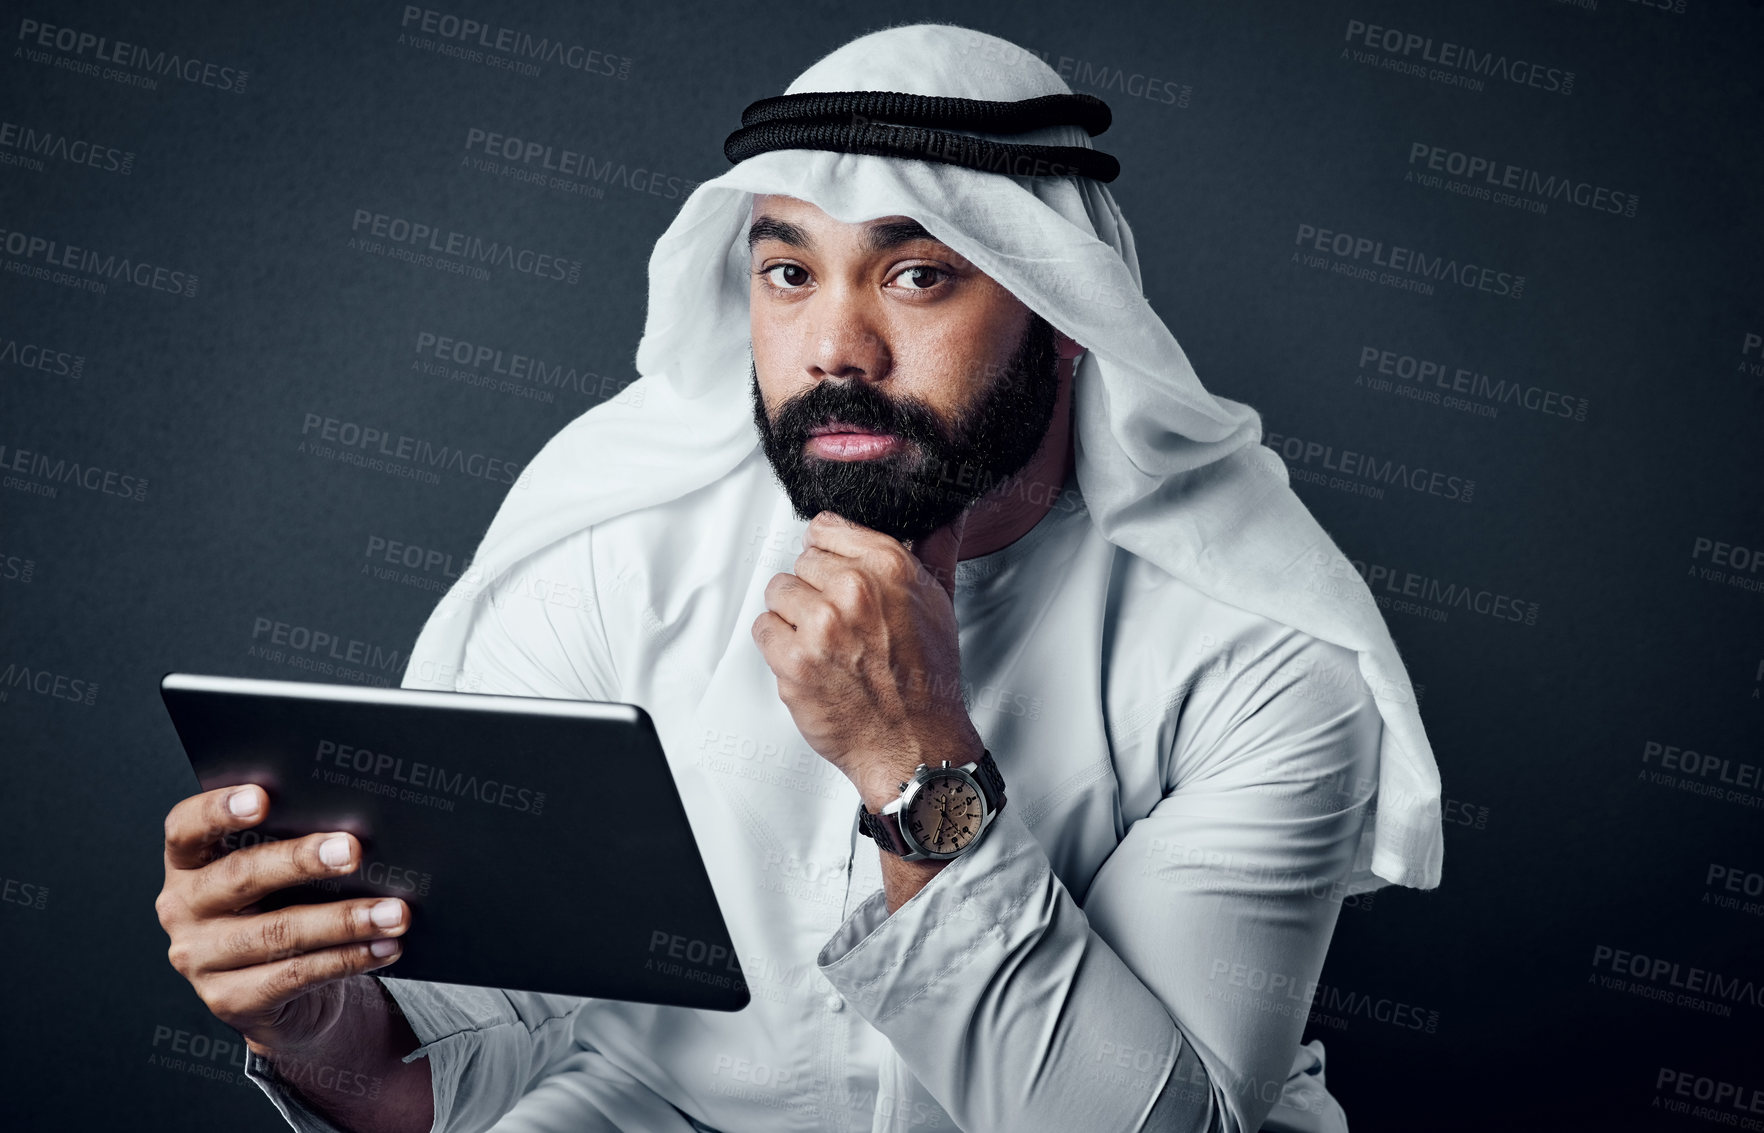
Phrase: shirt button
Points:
(835, 1001)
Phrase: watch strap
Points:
(991, 781)
(884, 828)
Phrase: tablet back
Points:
(540, 844)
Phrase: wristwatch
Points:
(941, 813)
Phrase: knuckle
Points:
(277, 936)
(899, 566)
(225, 1005)
(178, 954)
(812, 623)
(852, 585)
(301, 855)
(291, 976)
(237, 877)
(165, 907)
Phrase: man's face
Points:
(893, 382)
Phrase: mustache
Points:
(860, 405)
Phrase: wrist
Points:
(882, 781)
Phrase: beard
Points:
(940, 470)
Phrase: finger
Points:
(819, 567)
(242, 942)
(769, 630)
(246, 876)
(256, 993)
(940, 550)
(793, 599)
(196, 823)
(833, 532)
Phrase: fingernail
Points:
(334, 851)
(386, 914)
(243, 804)
(383, 948)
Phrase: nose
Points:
(845, 338)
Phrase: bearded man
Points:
(1033, 729)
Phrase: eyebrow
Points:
(770, 228)
(877, 238)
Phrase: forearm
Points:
(357, 1078)
(1008, 1010)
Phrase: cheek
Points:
(950, 363)
(769, 357)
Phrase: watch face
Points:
(945, 815)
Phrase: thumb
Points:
(939, 550)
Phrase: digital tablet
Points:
(540, 844)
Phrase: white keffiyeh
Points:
(1170, 472)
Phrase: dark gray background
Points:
(1557, 843)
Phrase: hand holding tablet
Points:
(511, 842)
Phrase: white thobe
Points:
(1132, 946)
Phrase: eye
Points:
(793, 277)
(922, 277)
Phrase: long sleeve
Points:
(1175, 997)
(512, 1058)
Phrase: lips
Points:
(823, 430)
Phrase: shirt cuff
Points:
(454, 1025)
(287, 1103)
(964, 915)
